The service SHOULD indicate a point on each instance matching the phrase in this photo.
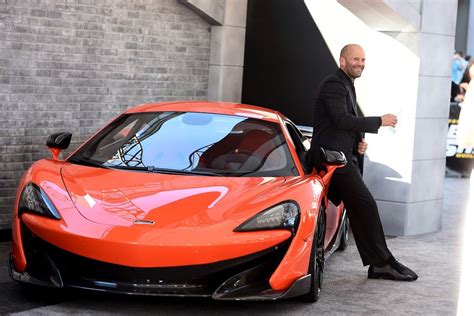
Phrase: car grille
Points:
(46, 261)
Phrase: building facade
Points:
(73, 65)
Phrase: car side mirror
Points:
(333, 157)
(58, 142)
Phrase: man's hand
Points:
(389, 120)
(362, 147)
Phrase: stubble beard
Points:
(353, 72)
(356, 72)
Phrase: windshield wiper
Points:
(167, 170)
(138, 168)
(85, 162)
(191, 172)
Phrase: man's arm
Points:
(334, 94)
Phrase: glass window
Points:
(200, 143)
(296, 136)
(302, 145)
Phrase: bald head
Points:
(352, 60)
(349, 49)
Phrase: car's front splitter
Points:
(244, 278)
(242, 287)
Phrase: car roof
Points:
(227, 108)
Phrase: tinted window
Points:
(221, 144)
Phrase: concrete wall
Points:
(470, 30)
(72, 65)
(433, 42)
(228, 19)
(409, 47)
(462, 22)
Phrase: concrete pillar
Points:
(462, 24)
(470, 30)
(228, 19)
(409, 48)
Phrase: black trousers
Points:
(348, 185)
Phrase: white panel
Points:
(436, 55)
(393, 217)
(424, 217)
(430, 139)
(433, 97)
(415, 4)
(408, 39)
(427, 180)
(408, 10)
(439, 17)
(400, 219)
(382, 15)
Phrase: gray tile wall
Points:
(71, 65)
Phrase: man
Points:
(337, 127)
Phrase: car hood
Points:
(125, 198)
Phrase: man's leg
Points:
(367, 228)
(363, 216)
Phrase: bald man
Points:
(338, 127)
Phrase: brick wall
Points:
(71, 65)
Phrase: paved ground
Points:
(435, 257)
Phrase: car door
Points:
(301, 143)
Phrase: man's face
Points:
(353, 62)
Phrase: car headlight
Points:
(34, 200)
(281, 216)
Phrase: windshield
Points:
(190, 143)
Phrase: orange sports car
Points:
(180, 199)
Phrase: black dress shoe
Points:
(392, 271)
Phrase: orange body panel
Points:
(207, 107)
(194, 216)
(194, 221)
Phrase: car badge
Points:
(143, 222)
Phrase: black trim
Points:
(238, 288)
(34, 200)
(48, 264)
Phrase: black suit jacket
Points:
(336, 124)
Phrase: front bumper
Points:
(244, 278)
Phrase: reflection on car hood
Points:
(125, 198)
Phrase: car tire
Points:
(316, 264)
(345, 234)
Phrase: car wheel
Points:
(316, 264)
(345, 234)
